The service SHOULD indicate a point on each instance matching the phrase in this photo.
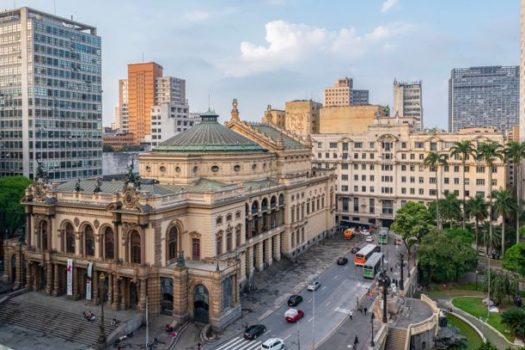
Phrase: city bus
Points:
(362, 256)
(382, 237)
(372, 265)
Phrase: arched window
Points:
(229, 237)
(172, 242)
(70, 239)
(255, 207)
(281, 199)
(43, 235)
(264, 204)
(109, 243)
(134, 244)
(89, 241)
(218, 221)
(219, 243)
(273, 202)
(238, 236)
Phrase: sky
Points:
(271, 51)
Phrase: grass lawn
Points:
(474, 341)
(475, 307)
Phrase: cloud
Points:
(388, 5)
(288, 44)
(196, 16)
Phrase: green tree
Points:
(412, 221)
(463, 235)
(107, 148)
(515, 152)
(515, 318)
(434, 161)
(477, 208)
(514, 258)
(503, 206)
(463, 149)
(12, 213)
(489, 153)
(487, 346)
(444, 257)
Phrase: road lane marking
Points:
(310, 320)
(328, 303)
(288, 336)
(323, 288)
(251, 346)
(230, 343)
(336, 276)
(309, 301)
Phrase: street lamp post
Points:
(102, 335)
(384, 281)
(372, 317)
(477, 279)
(402, 265)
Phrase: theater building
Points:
(208, 208)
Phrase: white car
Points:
(369, 239)
(365, 233)
(273, 344)
(314, 286)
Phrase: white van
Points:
(273, 344)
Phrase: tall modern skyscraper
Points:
(408, 101)
(483, 97)
(142, 78)
(522, 72)
(50, 96)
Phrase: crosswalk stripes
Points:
(239, 343)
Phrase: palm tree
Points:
(489, 152)
(477, 208)
(463, 149)
(434, 160)
(515, 152)
(503, 205)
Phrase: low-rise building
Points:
(349, 119)
(381, 169)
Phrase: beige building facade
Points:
(338, 95)
(210, 207)
(379, 170)
(349, 119)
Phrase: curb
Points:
(482, 336)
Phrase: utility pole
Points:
(313, 322)
(402, 265)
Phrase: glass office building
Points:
(484, 97)
(50, 96)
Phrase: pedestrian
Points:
(198, 346)
(366, 310)
(391, 269)
(350, 314)
(356, 341)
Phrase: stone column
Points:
(277, 247)
(36, 279)
(249, 261)
(29, 230)
(109, 276)
(94, 287)
(259, 261)
(56, 280)
(19, 267)
(116, 294)
(242, 268)
(29, 275)
(49, 277)
(142, 295)
(268, 250)
(180, 294)
(77, 243)
(49, 234)
(123, 293)
(76, 282)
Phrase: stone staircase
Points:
(53, 322)
(396, 339)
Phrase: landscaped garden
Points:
(474, 341)
(475, 307)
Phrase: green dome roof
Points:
(208, 136)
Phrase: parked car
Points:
(293, 315)
(365, 232)
(342, 260)
(369, 239)
(273, 344)
(254, 331)
(314, 286)
(377, 249)
(355, 249)
(294, 300)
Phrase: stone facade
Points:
(190, 233)
(348, 119)
(381, 169)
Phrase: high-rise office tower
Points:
(522, 72)
(170, 90)
(483, 97)
(121, 111)
(50, 96)
(408, 101)
(141, 97)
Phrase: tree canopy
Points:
(412, 222)
(11, 211)
(514, 258)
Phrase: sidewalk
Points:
(275, 285)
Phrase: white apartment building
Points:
(170, 90)
(408, 101)
(167, 120)
(121, 111)
(380, 170)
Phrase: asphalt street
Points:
(325, 309)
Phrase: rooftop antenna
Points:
(209, 102)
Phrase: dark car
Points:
(377, 249)
(294, 300)
(342, 261)
(254, 331)
(355, 250)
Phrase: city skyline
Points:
(235, 50)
